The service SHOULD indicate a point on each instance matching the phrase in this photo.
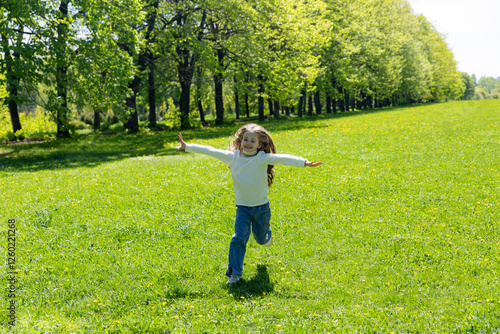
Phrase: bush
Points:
(39, 126)
(481, 94)
(495, 94)
(19, 135)
(79, 125)
(172, 114)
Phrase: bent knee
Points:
(236, 238)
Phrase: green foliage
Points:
(103, 67)
(495, 94)
(171, 114)
(470, 86)
(377, 49)
(480, 93)
(488, 83)
(80, 125)
(3, 94)
(124, 233)
(39, 126)
(446, 81)
(487, 88)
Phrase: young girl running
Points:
(251, 162)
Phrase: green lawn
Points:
(397, 232)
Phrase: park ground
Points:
(397, 232)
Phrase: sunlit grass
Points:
(397, 231)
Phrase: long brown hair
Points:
(267, 144)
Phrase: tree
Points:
(21, 45)
(473, 76)
(446, 81)
(11, 59)
(151, 22)
(487, 83)
(182, 26)
(290, 35)
(103, 62)
(470, 87)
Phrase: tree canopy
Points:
(101, 57)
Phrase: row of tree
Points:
(291, 56)
(485, 88)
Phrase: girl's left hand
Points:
(183, 144)
(313, 164)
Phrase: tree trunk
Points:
(310, 105)
(261, 98)
(342, 101)
(346, 100)
(151, 19)
(364, 101)
(13, 109)
(184, 101)
(218, 81)
(197, 95)
(185, 73)
(247, 109)
(202, 113)
(62, 72)
(330, 99)
(301, 102)
(328, 103)
(132, 124)
(152, 96)
(12, 85)
(317, 102)
(271, 108)
(236, 98)
(97, 120)
(276, 109)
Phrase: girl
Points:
(251, 161)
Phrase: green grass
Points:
(397, 232)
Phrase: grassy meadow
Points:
(397, 232)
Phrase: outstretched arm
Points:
(223, 155)
(287, 160)
(312, 164)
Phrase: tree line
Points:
(272, 56)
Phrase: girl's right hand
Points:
(183, 144)
(312, 164)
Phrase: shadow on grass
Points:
(95, 149)
(258, 285)
(178, 293)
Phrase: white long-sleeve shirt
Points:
(249, 173)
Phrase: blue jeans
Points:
(248, 219)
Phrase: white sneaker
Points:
(233, 279)
(269, 242)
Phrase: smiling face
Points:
(250, 142)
